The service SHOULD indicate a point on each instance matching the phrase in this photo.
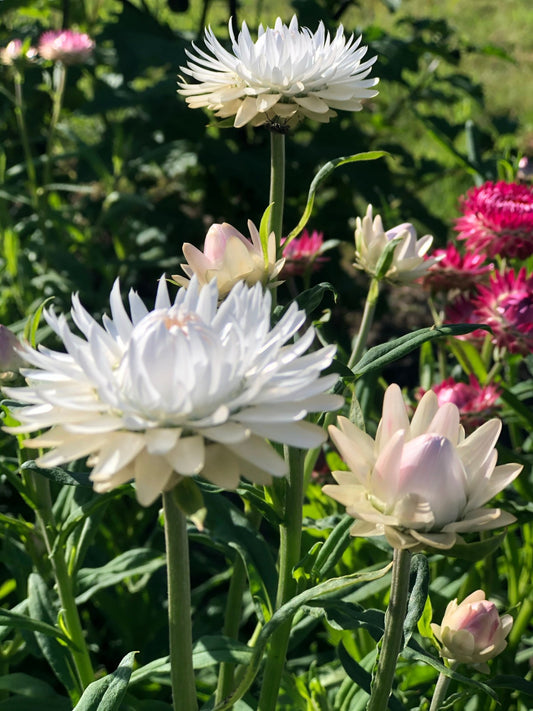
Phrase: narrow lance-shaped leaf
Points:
(322, 175)
(107, 693)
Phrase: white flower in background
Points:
(229, 258)
(185, 389)
(286, 74)
(473, 631)
(420, 483)
(408, 260)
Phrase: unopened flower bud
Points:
(472, 632)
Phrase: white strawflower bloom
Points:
(188, 388)
(409, 260)
(286, 74)
(420, 483)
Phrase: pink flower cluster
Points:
(456, 271)
(498, 219)
(66, 46)
(475, 402)
(303, 253)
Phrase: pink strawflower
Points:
(66, 46)
(455, 271)
(14, 50)
(462, 310)
(303, 253)
(498, 220)
(475, 402)
(506, 305)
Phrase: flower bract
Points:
(229, 258)
(289, 72)
(498, 220)
(472, 631)
(506, 305)
(407, 261)
(303, 253)
(191, 387)
(475, 401)
(420, 483)
(454, 270)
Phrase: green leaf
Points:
(32, 324)
(152, 671)
(322, 174)
(378, 357)
(263, 232)
(362, 677)
(42, 608)
(138, 561)
(16, 621)
(476, 551)
(509, 681)
(211, 650)
(107, 693)
(419, 587)
(332, 550)
(59, 475)
(416, 653)
(335, 586)
(25, 685)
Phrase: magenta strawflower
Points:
(462, 310)
(66, 46)
(498, 220)
(456, 271)
(475, 402)
(303, 253)
(506, 305)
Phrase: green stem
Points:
(521, 623)
(21, 121)
(392, 641)
(289, 555)
(45, 517)
(441, 689)
(277, 186)
(60, 76)
(232, 616)
(179, 607)
(366, 323)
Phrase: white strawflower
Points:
(408, 262)
(420, 483)
(188, 388)
(286, 74)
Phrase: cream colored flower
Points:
(286, 74)
(473, 631)
(189, 388)
(420, 483)
(229, 258)
(408, 261)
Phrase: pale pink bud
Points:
(473, 631)
(10, 359)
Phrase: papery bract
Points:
(456, 271)
(229, 258)
(188, 388)
(475, 402)
(66, 46)
(420, 483)
(303, 253)
(286, 74)
(472, 632)
(498, 220)
(506, 305)
(408, 261)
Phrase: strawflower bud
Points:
(229, 258)
(472, 632)
(395, 255)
